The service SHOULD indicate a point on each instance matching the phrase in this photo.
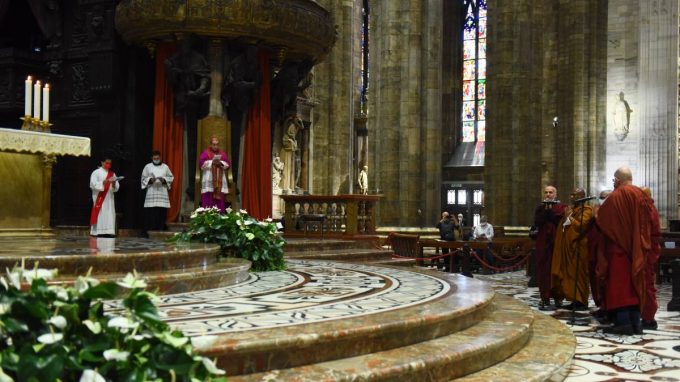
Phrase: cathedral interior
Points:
(397, 110)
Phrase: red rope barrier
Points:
(501, 258)
(499, 269)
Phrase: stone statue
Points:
(286, 85)
(189, 76)
(240, 88)
(363, 181)
(289, 147)
(622, 118)
(277, 173)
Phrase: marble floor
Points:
(652, 356)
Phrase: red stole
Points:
(100, 200)
(216, 172)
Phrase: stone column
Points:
(658, 66)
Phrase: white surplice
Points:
(157, 192)
(106, 221)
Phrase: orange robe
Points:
(625, 222)
(571, 247)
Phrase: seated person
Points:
(483, 231)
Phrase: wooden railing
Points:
(343, 215)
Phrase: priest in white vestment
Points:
(103, 183)
(156, 180)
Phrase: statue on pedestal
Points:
(288, 151)
(363, 181)
(277, 173)
(189, 75)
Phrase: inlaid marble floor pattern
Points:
(652, 356)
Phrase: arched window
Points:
(474, 73)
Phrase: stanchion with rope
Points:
(500, 269)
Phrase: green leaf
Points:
(101, 291)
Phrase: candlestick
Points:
(27, 98)
(46, 103)
(36, 101)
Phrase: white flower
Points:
(4, 282)
(239, 223)
(211, 367)
(58, 321)
(229, 210)
(95, 327)
(62, 294)
(140, 337)
(14, 278)
(122, 322)
(250, 236)
(203, 342)
(91, 376)
(243, 212)
(4, 308)
(131, 281)
(39, 273)
(268, 220)
(249, 222)
(115, 354)
(4, 377)
(50, 338)
(84, 283)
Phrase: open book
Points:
(117, 178)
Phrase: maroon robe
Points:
(651, 305)
(546, 221)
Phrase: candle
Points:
(36, 100)
(27, 99)
(46, 103)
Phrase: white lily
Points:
(91, 376)
(62, 294)
(117, 355)
(203, 342)
(5, 308)
(14, 278)
(4, 282)
(211, 367)
(39, 273)
(122, 323)
(84, 283)
(50, 338)
(243, 212)
(58, 321)
(250, 236)
(229, 210)
(269, 220)
(131, 281)
(95, 327)
(140, 337)
(4, 377)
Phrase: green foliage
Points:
(56, 333)
(237, 233)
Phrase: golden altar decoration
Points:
(26, 160)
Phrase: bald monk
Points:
(570, 256)
(651, 305)
(624, 220)
(546, 217)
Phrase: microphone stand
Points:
(572, 320)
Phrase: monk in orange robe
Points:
(624, 220)
(569, 271)
(651, 305)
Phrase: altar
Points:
(26, 160)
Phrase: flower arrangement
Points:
(57, 333)
(238, 233)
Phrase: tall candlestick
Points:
(36, 101)
(27, 98)
(46, 103)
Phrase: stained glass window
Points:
(474, 71)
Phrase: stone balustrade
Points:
(331, 215)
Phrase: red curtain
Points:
(257, 160)
(168, 133)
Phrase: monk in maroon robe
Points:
(546, 217)
(625, 221)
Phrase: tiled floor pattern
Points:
(309, 291)
(652, 356)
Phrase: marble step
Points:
(362, 255)
(503, 333)
(316, 245)
(228, 271)
(546, 357)
(466, 304)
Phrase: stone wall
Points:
(545, 59)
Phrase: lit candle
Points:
(36, 100)
(27, 99)
(46, 103)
